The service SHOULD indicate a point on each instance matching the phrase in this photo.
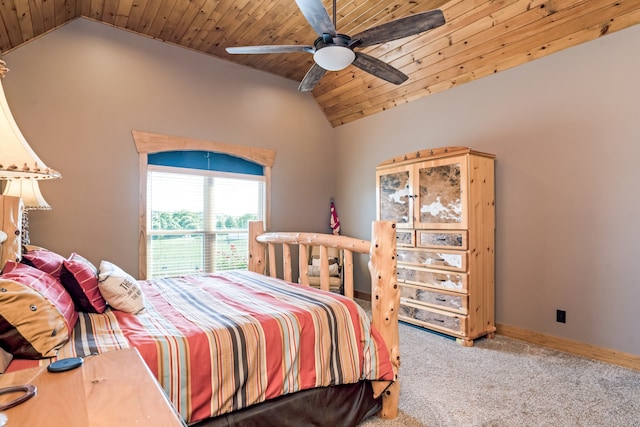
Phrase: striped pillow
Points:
(80, 278)
(36, 314)
(44, 260)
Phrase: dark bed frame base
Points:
(341, 405)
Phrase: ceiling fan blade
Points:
(379, 68)
(399, 28)
(317, 16)
(312, 78)
(270, 49)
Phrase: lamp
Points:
(29, 191)
(333, 53)
(17, 159)
(19, 164)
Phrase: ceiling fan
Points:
(332, 51)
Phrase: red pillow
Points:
(36, 314)
(44, 260)
(80, 278)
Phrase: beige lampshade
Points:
(29, 191)
(17, 159)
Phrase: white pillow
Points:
(119, 289)
(314, 270)
(316, 261)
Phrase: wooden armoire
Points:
(443, 202)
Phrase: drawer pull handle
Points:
(441, 299)
(440, 259)
(441, 239)
(439, 320)
(441, 280)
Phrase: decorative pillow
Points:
(314, 270)
(80, 278)
(119, 288)
(44, 260)
(5, 359)
(36, 314)
(316, 261)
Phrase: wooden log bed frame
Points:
(263, 248)
(385, 294)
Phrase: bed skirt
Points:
(343, 405)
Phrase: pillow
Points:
(119, 288)
(316, 260)
(36, 314)
(80, 278)
(44, 260)
(314, 268)
(5, 359)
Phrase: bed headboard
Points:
(11, 209)
(385, 293)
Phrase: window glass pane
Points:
(175, 201)
(235, 202)
(175, 255)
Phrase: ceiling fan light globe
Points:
(334, 58)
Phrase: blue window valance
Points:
(205, 160)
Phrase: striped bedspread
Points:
(221, 342)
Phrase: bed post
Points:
(385, 302)
(11, 210)
(256, 249)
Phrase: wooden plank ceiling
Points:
(480, 37)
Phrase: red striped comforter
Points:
(221, 342)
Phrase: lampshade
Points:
(17, 159)
(29, 191)
(334, 57)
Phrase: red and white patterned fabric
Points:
(44, 260)
(80, 278)
(226, 341)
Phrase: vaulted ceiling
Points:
(479, 38)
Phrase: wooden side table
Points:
(111, 389)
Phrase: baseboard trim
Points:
(588, 351)
(361, 295)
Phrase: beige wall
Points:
(566, 132)
(77, 93)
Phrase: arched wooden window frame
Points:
(148, 143)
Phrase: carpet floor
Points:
(506, 382)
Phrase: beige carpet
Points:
(507, 382)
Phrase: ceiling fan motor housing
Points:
(333, 53)
(328, 40)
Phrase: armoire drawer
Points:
(405, 238)
(439, 279)
(441, 239)
(450, 260)
(443, 300)
(434, 319)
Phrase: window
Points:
(187, 224)
(198, 221)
